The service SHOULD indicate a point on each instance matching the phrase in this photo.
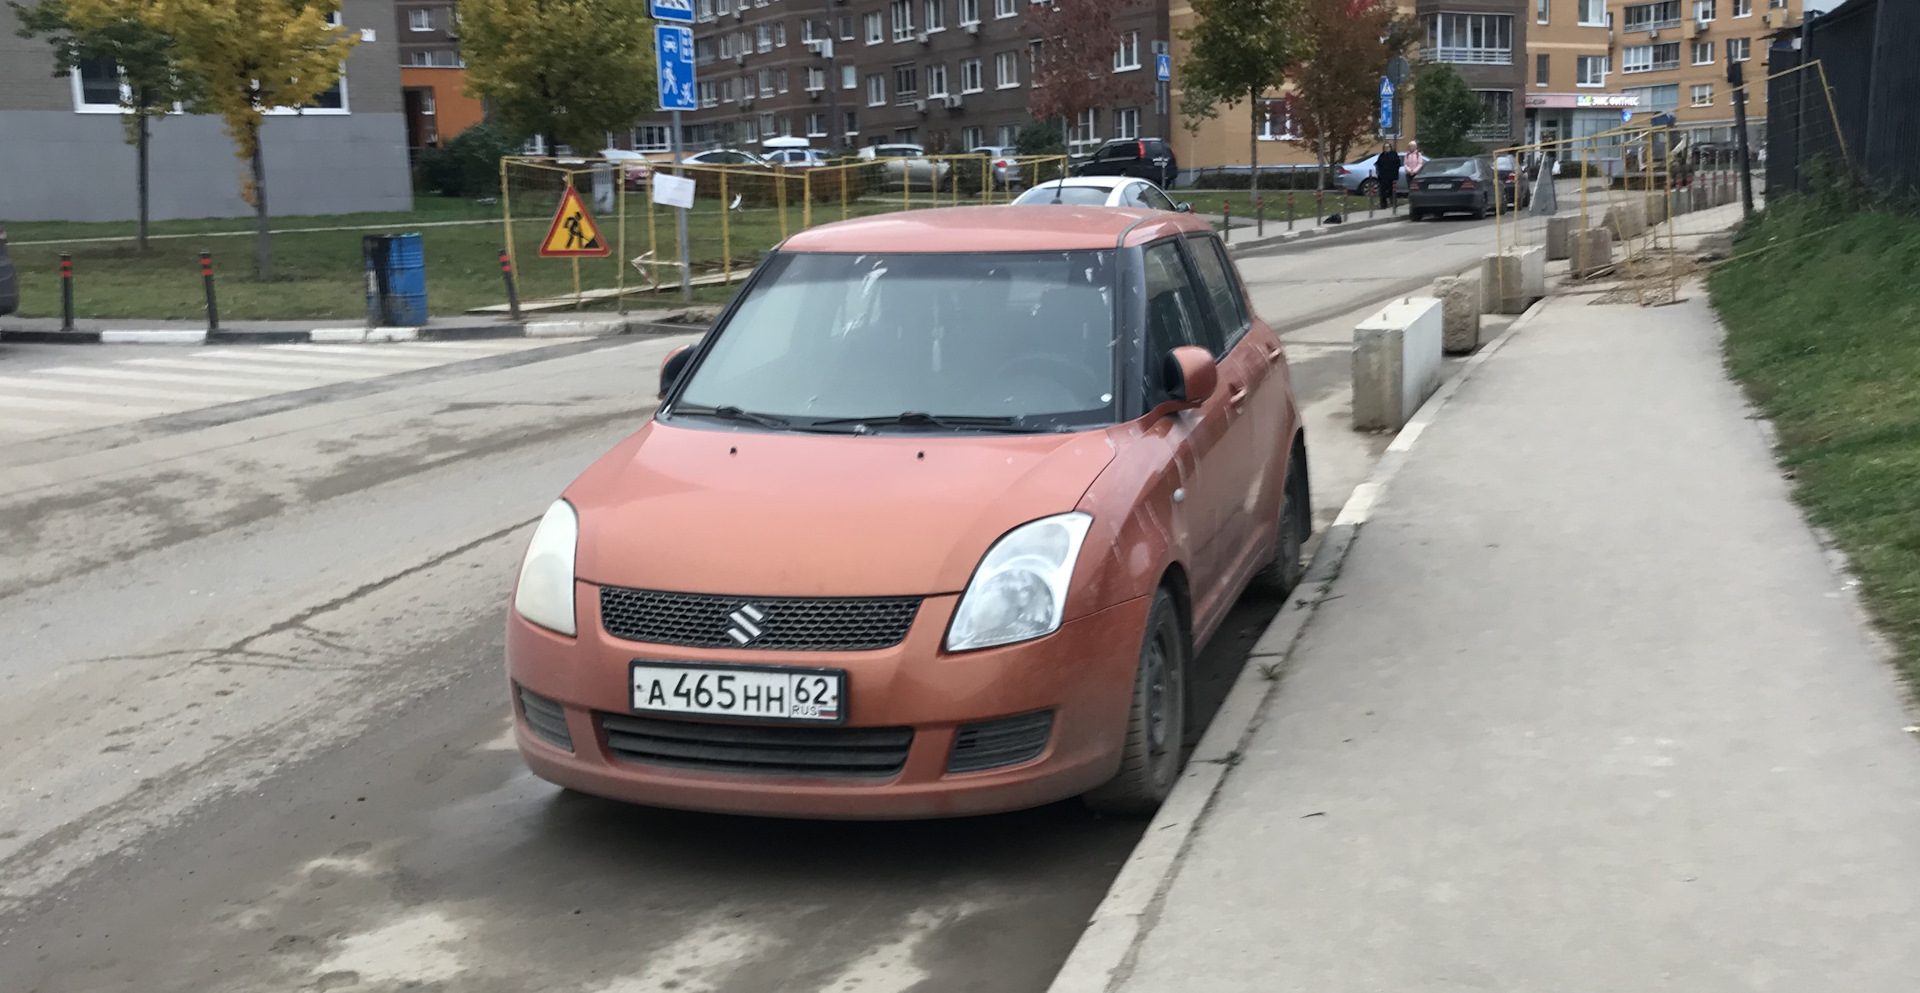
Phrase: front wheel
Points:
(1151, 754)
(1288, 565)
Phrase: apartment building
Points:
(946, 74)
(63, 154)
(1595, 59)
(433, 77)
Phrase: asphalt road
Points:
(254, 734)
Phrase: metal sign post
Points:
(673, 51)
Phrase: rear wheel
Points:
(1368, 187)
(1151, 756)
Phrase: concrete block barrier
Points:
(1682, 202)
(1396, 363)
(1459, 298)
(1559, 238)
(1656, 208)
(1592, 250)
(1512, 280)
(1626, 220)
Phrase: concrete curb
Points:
(580, 328)
(1105, 954)
(1317, 230)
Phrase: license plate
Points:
(756, 693)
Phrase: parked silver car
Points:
(1357, 177)
(1006, 172)
(1101, 191)
(900, 170)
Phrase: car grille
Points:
(694, 620)
(759, 749)
(993, 744)
(545, 718)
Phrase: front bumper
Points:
(1083, 674)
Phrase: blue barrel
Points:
(406, 281)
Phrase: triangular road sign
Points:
(573, 234)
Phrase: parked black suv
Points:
(9, 285)
(1141, 158)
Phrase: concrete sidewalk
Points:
(1586, 709)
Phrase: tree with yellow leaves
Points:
(248, 57)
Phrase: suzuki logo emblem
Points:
(746, 624)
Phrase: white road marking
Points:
(108, 389)
(697, 962)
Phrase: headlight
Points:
(545, 593)
(1020, 590)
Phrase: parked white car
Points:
(1102, 191)
(901, 171)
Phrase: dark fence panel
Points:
(1866, 53)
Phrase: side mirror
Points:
(1184, 208)
(671, 368)
(1191, 375)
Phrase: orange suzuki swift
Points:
(928, 524)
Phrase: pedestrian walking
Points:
(1386, 175)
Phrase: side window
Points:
(1222, 290)
(1173, 313)
(1131, 196)
(1155, 199)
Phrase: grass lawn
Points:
(319, 274)
(1210, 202)
(1822, 331)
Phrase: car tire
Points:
(1480, 211)
(1367, 188)
(1153, 750)
(1416, 216)
(1280, 575)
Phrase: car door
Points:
(1211, 453)
(1256, 360)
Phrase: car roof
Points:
(1038, 228)
(1099, 182)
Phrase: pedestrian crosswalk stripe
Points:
(346, 362)
(200, 365)
(252, 386)
(114, 389)
(55, 406)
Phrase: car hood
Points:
(769, 514)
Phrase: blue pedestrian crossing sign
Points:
(673, 50)
(1164, 67)
(676, 11)
(1386, 105)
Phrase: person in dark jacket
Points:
(1386, 175)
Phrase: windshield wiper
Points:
(728, 412)
(917, 418)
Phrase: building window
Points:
(973, 137)
(816, 79)
(937, 81)
(877, 90)
(1703, 53)
(1656, 99)
(1277, 125)
(876, 29)
(1541, 10)
(1739, 49)
(1541, 73)
(817, 125)
(420, 19)
(1593, 13)
(1650, 58)
(1497, 125)
(652, 138)
(907, 136)
(849, 78)
(936, 15)
(703, 10)
(1470, 38)
(906, 84)
(1777, 4)
(766, 82)
(764, 36)
(1590, 70)
(902, 11)
(970, 81)
(1009, 134)
(1126, 123)
(1128, 57)
(1006, 70)
(1702, 95)
(780, 80)
(1652, 16)
(99, 83)
(709, 95)
(970, 14)
(1004, 8)
(1703, 10)
(853, 123)
(1743, 8)
(1083, 129)
(780, 35)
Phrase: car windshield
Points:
(1028, 337)
(1074, 196)
(1451, 167)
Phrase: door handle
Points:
(1273, 356)
(1238, 397)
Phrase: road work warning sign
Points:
(573, 234)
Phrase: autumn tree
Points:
(246, 58)
(1239, 50)
(1334, 97)
(567, 70)
(152, 82)
(1076, 41)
